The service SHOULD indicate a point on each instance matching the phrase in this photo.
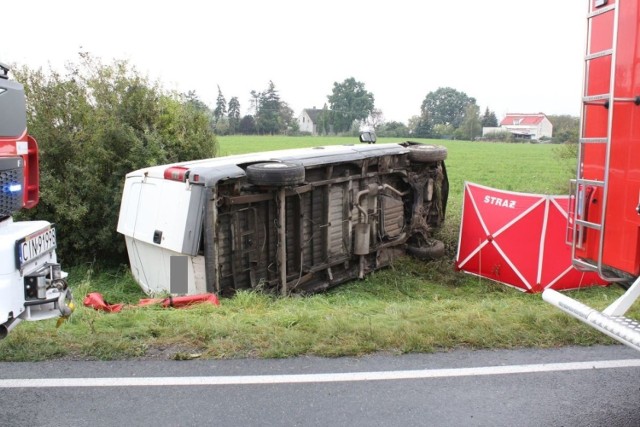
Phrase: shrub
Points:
(502, 136)
(568, 151)
(94, 124)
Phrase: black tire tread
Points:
(275, 173)
(428, 252)
(426, 153)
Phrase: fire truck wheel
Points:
(625, 285)
(433, 249)
(426, 153)
(275, 173)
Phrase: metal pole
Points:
(282, 241)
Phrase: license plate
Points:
(35, 245)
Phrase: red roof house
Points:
(528, 126)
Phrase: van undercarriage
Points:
(344, 221)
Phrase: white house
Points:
(308, 120)
(526, 126)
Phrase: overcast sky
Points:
(511, 55)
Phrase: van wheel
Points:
(275, 173)
(429, 251)
(425, 153)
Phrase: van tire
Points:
(434, 249)
(426, 153)
(275, 173)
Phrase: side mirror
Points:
(368, 137)
(4, 71)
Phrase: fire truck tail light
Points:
(32, 173)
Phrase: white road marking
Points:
(315, 378)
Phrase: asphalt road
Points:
(596, 386)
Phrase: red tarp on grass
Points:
(518, 239)
(97, 302)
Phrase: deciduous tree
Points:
(413, 123)
(393, 129)
(424, 127)
(565, 128)
(247, 125)
(470, 128)
(446, 106)
(375, 119)
(289, 121)
(324, 121)
(193, 98)
(349, 101)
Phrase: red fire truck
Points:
(32, 283)
(604, 225)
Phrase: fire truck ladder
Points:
(611, 320)
(582, 186)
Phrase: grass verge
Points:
(410, 307)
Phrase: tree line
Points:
(444, 113)
(348, 105)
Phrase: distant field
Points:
(411, 307)
(249, 144)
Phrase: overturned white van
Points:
(292, 221)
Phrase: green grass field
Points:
(410, 307)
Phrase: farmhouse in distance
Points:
(523, 126)
(308, 120)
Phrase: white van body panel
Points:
(151, 205)
(150, 267)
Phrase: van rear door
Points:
(162, 212)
